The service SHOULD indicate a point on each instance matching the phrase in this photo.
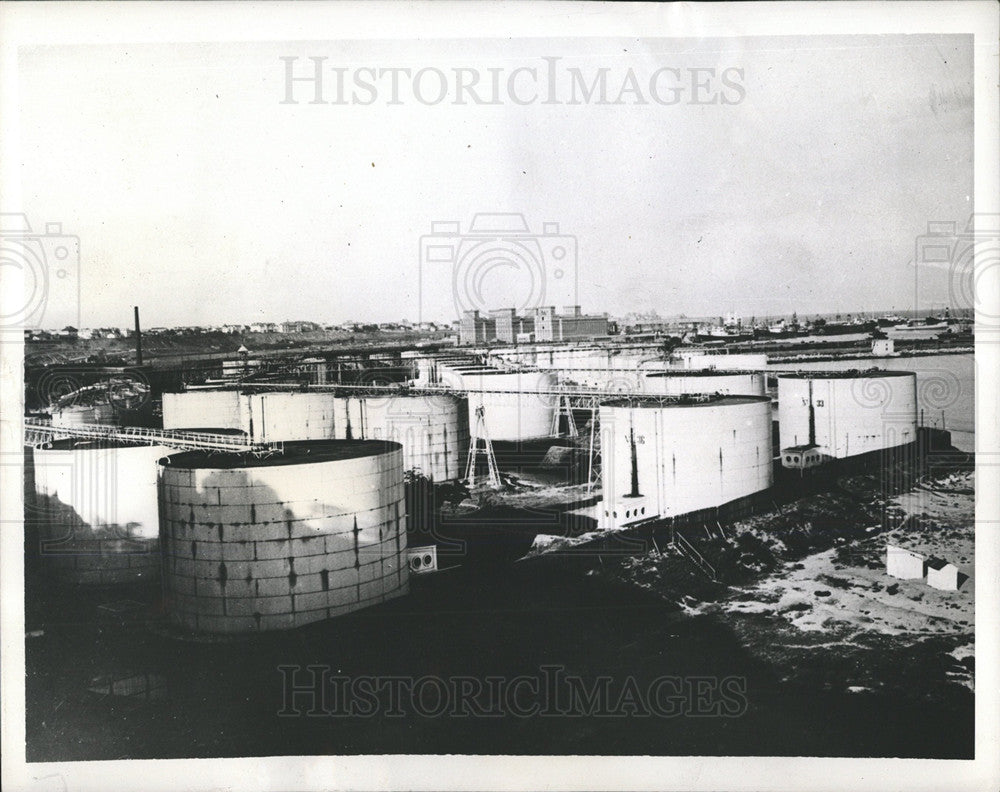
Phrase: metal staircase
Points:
(688, 551)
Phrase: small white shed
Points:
(942, 575)
(903, 563)
(883, 347)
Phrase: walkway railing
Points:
(37, 432)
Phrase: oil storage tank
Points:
(204, 409)
(82, 415)
(517, 405)
(700, 359)
(603, 376)
(676, 456)
(453, 376)
(730, 383)
(433, 431)
(419, 366)
(96, 511)
(255, 543)
(283, 416)
(825, 415)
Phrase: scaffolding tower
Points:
(479, 432)
(564, 406)
(593, 471)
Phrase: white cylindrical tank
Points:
(254, 544)
(729, 383)
(456, 377)
(852, 412)
(433, 430)
(453, 375)
(419, 365)
(204, 409)
(277, 416)
(97, 511)
(608, 380)
(81, 414)
(516, 404)
(610, 370)
(449, 373)
(699, 359)
(454, 361)
(663, 457)
(411, 356)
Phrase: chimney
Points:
(138, 338)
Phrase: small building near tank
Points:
(883, 347)
(903, 563)
(942, 575)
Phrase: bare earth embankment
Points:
(832, 618)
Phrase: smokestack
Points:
(138, 338)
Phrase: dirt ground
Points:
(834, 618)
(842, 599)
(849, 585)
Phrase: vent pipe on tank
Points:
(635, 461)
(812, 416)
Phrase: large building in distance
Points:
(476, 329)
(510, 327)
(568, 326)
(539, 324)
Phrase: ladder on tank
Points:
(480, 432)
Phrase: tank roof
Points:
(297, 453)
(700, 373)
(700, 400)
(495, 371)
(210, 430)
(874, 373)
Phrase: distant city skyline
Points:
(196, 193)
(652, 315)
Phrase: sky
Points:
(202, 194)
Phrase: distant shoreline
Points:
(907, 353)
